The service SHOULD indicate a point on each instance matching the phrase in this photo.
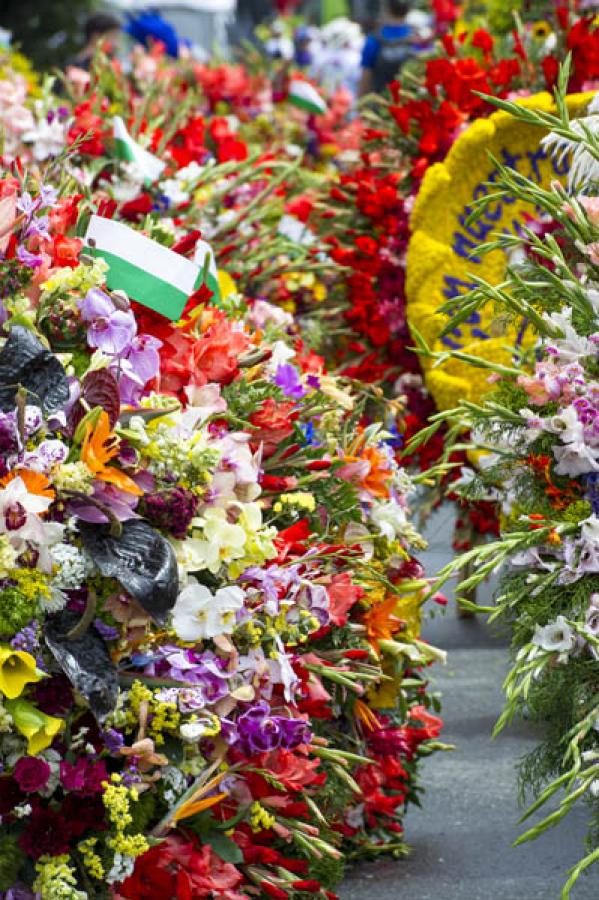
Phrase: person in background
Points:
(100, 30)
(149, 28)
(387, 49)
(302, 40)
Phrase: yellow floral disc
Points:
(442, 255)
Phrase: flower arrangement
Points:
(537, 460)
(211, 677)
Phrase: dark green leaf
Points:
(224, 847)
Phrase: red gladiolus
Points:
(319, 465)
(65, 251)
(274, 423)
(136, 209)
(482, 40)
(271, 890)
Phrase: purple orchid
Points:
(136, 366)
(260, 732)
(32, 260)
(110, 330)
(119, 503)
(287, 378)
(203, 673)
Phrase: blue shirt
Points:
(372, 43)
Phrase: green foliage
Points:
(11, 860)
(16, 611)
(500, 15)
(142, 812)
(48, 31)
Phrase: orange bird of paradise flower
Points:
(100, 445)
(382, 622)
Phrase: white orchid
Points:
(199, 614)
(557, 636)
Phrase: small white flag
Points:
(130, 151)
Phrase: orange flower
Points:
(376, 468)
(366, 716)
(35, 482)
(100, 445)
(381, 621)
(199, 802)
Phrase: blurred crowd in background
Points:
(356, 44)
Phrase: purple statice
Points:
(591, 481)
(287, 378)
(131, 774)
(113, 741)
(171, 510)
(108, 632)
(110, 330)
(27, 639)
(260, 732)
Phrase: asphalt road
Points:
(462, 838)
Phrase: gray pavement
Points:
(462, 837)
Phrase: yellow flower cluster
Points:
(82, 278)
(91, 860)
(298, 500)
(56, 879)
(32, 583)
(260, 818)
(163, 716)
(117, 799)
(442, 254)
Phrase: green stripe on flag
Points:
(306, 105)
(157, 294)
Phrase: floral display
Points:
(212, 682)
(534, 440)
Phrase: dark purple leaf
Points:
(98, 388)
(140, 559)
(25, 361)
(85, 661)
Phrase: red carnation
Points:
(47, 834)
(31, 774)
